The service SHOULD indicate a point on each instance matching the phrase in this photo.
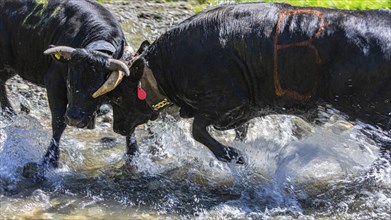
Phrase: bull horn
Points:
(113, 81)
(64, 51)
(117, 65)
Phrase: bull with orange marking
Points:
(226, 64)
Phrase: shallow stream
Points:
(294, 169)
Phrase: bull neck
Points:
(156, 98)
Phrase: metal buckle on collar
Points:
(161, 104)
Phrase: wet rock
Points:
(37, 213)
(33, 171)
(22, 86)
(104, 109)
(338, 125)
(301, 128)
(124, 171)
(76, 217)
(29, 170)
(24, 108)
(147, 20)
(107, 119)
(202, 175)
(150, 16)
(108, 140)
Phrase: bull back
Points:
(279, 56)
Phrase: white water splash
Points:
(22, 141)
(288, 162)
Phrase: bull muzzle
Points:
(76, 118)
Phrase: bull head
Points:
(119, 68)
(116, 77)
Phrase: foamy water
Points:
(294, 169)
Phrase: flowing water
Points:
(294, 169)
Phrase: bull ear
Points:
(137, 69)
(143, 47)
(102, 46)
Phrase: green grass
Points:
(105, 1)
(197, 1)
(341, 4)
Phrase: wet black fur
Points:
(218, 66)
(28, 28)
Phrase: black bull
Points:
(225, 64)
(29, 27)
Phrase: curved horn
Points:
(117, 65)
(113, 81)
(65, 51)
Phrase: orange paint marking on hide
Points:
(279, 91)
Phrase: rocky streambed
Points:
(146, 20)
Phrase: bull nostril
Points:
(74, 118)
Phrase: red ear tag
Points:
(141, 94)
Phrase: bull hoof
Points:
(108, 140)
(33, 171)
(231, 155)
(91, 124)
(49, 163)
(129, 156)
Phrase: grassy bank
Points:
(341, 4)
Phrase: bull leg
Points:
(57, 97)
(186, 112)
(241, 132)
(4, 102)
(222, 153)
(131, 146)
(53, 152)
(91, 124)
